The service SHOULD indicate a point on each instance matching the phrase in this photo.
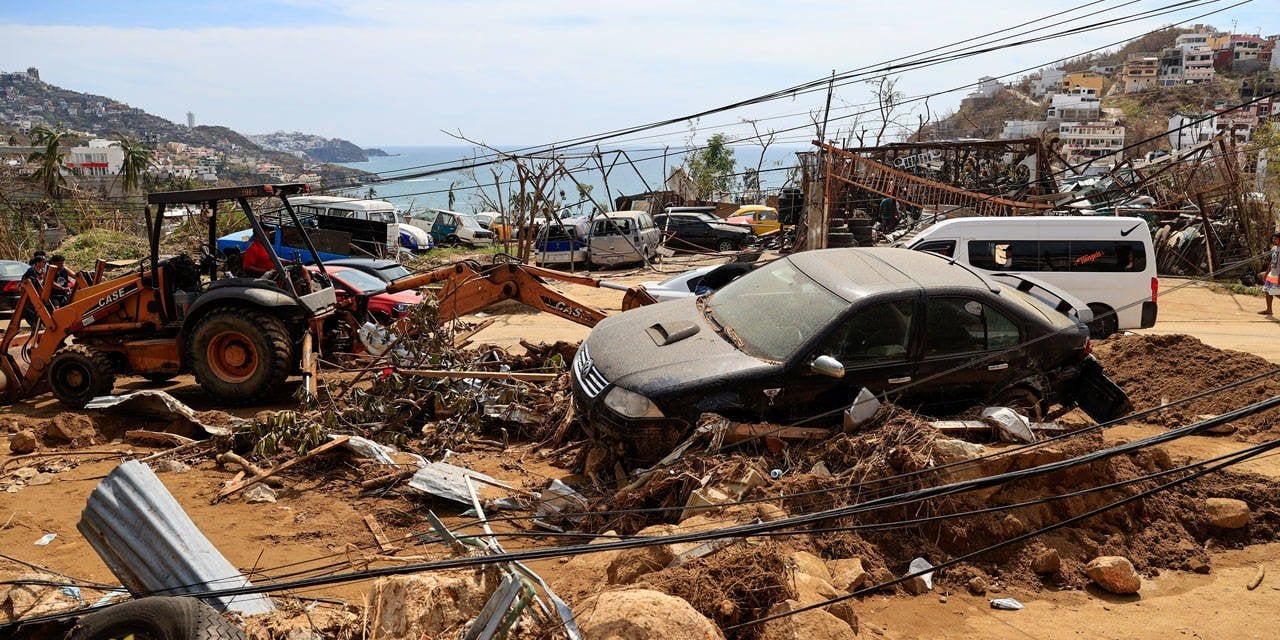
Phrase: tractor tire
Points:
(239, 355)
(157, 618)
(839, 240)
(78, 374)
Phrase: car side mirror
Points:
(827, 366)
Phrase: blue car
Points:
(290, 246)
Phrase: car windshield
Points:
(394, 272)
(771, 311)
(469, 222)
(360, 281)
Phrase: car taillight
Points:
(1088, 346)
(11, 286)
(1155, 288)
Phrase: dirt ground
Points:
(319, 519)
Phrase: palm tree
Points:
(49, 162)
(137, 159)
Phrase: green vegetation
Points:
(83, 250)
(51, 162)
(712, 167)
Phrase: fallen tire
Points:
(860, 222)
(239, 355)
(78, 374)
(157, 618)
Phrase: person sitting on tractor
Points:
(63, 282)
(257, 260)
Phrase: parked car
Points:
(701, 231)
(10, 282)
(385, 270)
(562, 243)
(373, 300)
(621, 237)
(800, 336)
(698, 281)
(760, 218)
(452, 227)
(495, 222)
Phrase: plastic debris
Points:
(1007, 604)
(46, 539)
(918, 565)
(864, 408)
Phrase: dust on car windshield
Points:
(771, 311)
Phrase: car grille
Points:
(586, 373)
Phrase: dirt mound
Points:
(1154, 370)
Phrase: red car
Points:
(375, 302)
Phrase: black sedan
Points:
(702, 231)
(10, 280)
(799, 337)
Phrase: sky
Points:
(404, 72)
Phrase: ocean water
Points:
(433, 191)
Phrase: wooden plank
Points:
(739, 431)
(324, 448)
(171, 439)
(379, 535)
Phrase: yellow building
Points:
(1083, 80)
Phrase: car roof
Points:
(856, 273)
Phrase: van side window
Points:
(941, 247)
(1005, 255)
(611, 227)
(646, 221)
(1083, 256)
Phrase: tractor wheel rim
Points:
(232, 357)
(74, 378)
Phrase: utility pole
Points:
(818, 232)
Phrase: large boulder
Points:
(1046, 561)
(814, 624)
(805, 562)
(23, 442)
(1227, 513)
(630, 564)
(641, 614)
(847, 574)
(425, 605)
(808, 589)
(1115, 574)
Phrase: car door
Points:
(964, 351)
(609, 242)
(872, 341)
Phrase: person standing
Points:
(1271, 283)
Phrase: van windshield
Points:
(773, 310)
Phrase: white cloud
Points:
(518, 72)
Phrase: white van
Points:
(400, 231)
(620, 237)
(1105, 261)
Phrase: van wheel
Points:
(1104, 321)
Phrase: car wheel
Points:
(1104, 321)
(1021, 399)
(726, 245)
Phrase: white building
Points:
(1097, 141)
(98, 158)
(1082, 104)
(1020, 129)
(1189, 41)
(1049, 82)
(1197, 65)
(988, 87)
(1185, 132)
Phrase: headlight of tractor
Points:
(631, 404)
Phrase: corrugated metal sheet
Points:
(150, 544)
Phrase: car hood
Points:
(731, 228)
(624, 350)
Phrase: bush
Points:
(84, 249)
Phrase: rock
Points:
(424, 605)
(1012, 526)
(916, 586)
(23, 442)
(977, 585)
(69, 428)
(815, 624)
(809, 589)
(631, 564)
(805, 562)
(642, 614)
(950, 450)
(1227, 513)
(1115, 574)
(25, 473)
(1046, 561)
(703, 501)
(881, 575)
(847, 574)
(173, 466)
(259, 493)
(41, 479)
(28, 600)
